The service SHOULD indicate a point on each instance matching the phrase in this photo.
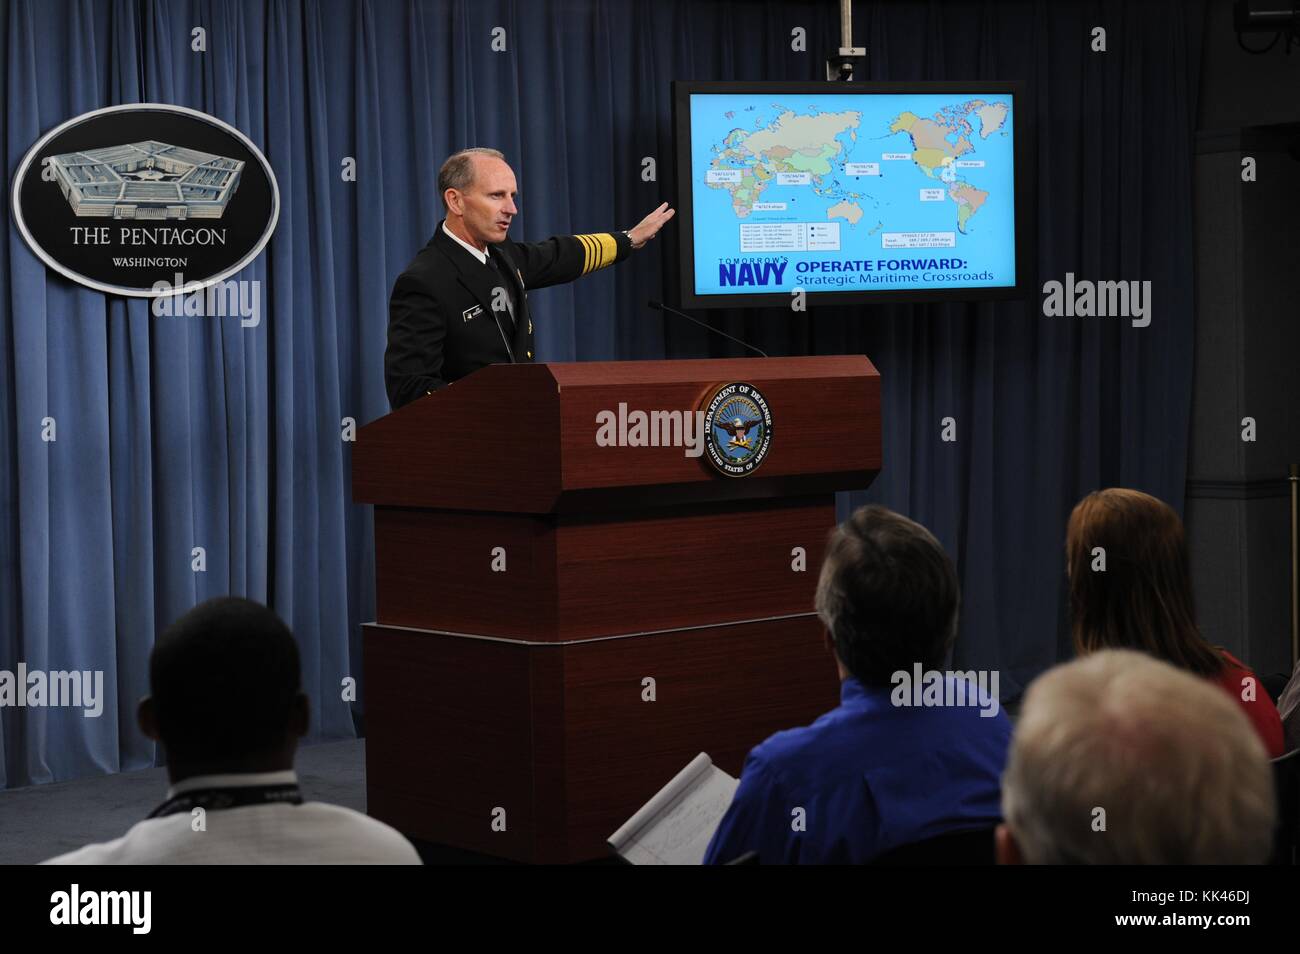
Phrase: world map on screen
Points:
(850, 192)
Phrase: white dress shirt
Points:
(481, 256)
(312, 833)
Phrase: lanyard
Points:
(216, 799)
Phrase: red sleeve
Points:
(1257, 705)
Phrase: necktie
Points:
(503, 282)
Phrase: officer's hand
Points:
(649, 227)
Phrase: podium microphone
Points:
(660, 306)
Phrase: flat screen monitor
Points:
(850, 192)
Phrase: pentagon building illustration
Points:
(146, 180)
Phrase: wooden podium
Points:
(561, 625)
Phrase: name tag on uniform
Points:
(469, 313)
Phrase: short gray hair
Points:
(888, 595)
(1179, 770)
(458, 171)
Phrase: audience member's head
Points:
(887, 595)
(225, 687)
(1119, 758)
(1130, 588)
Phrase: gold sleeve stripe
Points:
(588, 250)
(608, 249)
(600, 250)
(586, 254)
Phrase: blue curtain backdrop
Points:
(176, 433)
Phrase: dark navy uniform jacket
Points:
(441, 321)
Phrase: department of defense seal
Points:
(738, 429)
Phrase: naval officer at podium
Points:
(463, 302)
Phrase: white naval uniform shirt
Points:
(312, 833)
(481, 256)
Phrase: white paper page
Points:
(675, 826)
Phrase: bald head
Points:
(478, 190)
(458, 171)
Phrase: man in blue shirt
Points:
(892, 765)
